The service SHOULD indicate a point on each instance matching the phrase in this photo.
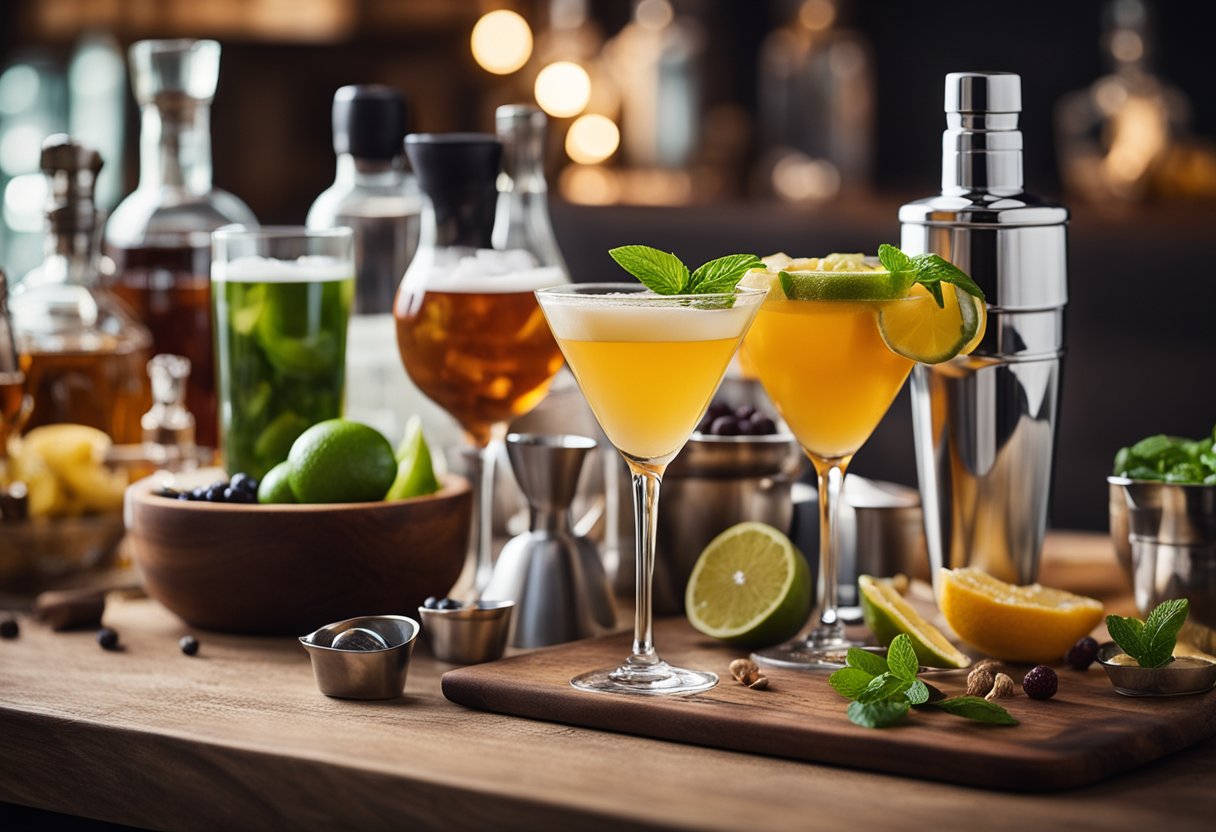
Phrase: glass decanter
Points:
(160, 235)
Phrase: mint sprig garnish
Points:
(929, 270)
(1150, 642)
(666, 274)
(884, 690)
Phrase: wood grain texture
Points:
(1085, 733)
(238, 737)
(290, 569)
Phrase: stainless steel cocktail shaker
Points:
(985, 424)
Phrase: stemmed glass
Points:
(831, 377)
(648, 366)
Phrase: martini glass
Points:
(648, 365)
(831, 377)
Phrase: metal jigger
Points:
(555, 577)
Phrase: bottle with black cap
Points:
(470, 332)
(372, 193)
(375, 196)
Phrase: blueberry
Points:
(725, 426)
(215, 493)
(189, 645)
(718, 409)
(185, 495)
(243, 482)
(745, 428)
(199, 493)
(9, 628)
(448, 604)
(1082, 654)
(165, 491)
(1040, 682)
(107, 638)
(744, 411)
(763, 426)
(431, 603)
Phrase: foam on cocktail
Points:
(308, 269)
(488, 271)
(594, 318)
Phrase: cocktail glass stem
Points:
(481, 472)
(830, 632)
(646, 483)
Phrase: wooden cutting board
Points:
(1087, 732)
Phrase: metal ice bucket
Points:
(1166, 535)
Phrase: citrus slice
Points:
(917, 328)
(750, 587)
(1017, 623)
(887, 615)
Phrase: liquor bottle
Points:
(522, 218)
(82, 351)
(376, 197)
(169, 426)
(13, 401)
(160, 235)
(984, 424)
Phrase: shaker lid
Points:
(450, 163)
(983, 92)
(369, 121)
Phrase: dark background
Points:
(1142, 319)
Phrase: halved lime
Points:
(887, 615)
(917, 328)
(750, 587)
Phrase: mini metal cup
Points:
(472, 634)
(363, 674)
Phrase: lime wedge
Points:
(887, 615)
(917, 328)
(749, 588)
(840, 285)
(415, 472)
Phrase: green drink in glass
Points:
(281, 302)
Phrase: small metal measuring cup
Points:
(363, 674)
(473, 633)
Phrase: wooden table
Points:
(238, 737)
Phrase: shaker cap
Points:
(369, 121)
(453, 163)
(983, 92)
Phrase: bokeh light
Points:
(501, 42)
(563, 89)
(592, 138)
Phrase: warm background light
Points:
(592, 139)
(501, 42)
(563, 89)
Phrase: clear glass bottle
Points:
(160, 235)
(82, 351)
(376, 197)
(169, 426)
(522, 218)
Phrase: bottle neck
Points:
(981, 152)
(175, 145)
(70, 256)
(523, 169)
(464, 219)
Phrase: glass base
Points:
(821, 650)
(658, 679)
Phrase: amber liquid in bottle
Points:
(105, 388)
(12, 398)
(169, 290)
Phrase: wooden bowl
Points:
(288, 569)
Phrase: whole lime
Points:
(275, 487)
(339, 461)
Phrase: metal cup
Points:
(363, 674)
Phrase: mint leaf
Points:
(974, 707)
(886, 686)
(894, 260)
(1160, 632)
(660, 272)
(722, 274)
(918, 694)
(901, 658)
(933, 269)
(849, 682)
(876, 714)
(871, 663)
(1127, 633)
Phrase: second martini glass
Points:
(648, 366)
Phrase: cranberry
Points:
(1040, 682)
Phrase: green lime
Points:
(415, 472)
(887, 615)
(860, 285)
(749, 588)
(275, 487)
(338, 461)
(919, 329)
(275, 441)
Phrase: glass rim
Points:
(570, 290)
(280, 232)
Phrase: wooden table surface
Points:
(239, 737)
